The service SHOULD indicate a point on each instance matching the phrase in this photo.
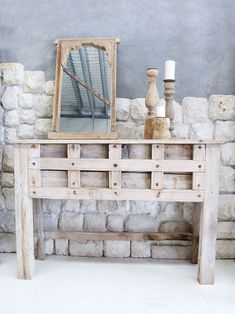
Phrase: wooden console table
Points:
(178, 170)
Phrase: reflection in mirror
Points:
(85, 97)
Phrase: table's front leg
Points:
(24, 215)
(208, 219)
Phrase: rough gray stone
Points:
(8, 158)
(201, 131)
(11, 118)
(117, 248)
(126, 130)
(225, 130)
(25, 131)
(71, 221)
(226, 230)
(43, 106)
(227, 179)
(112, 206)
(27, 116)
(1, 137)
(49, 246)
(34, 82)
(141, 223)
(52, 206)
(26, 101)
(61, 247)
(227, 207)
(86, 248)
(225, 249)
(228, 154)
(94, 222)
(71, 205)
(140, 249)
(188, 209)
(144, 207)
(7, 243)
(9, 195)
(170, 211)
(222, 107)
(115, 223)
(11, 97)
(122, 109)
(175, 227)
(87, 206)
(181, 130)
(50, 221)
(42, 126)
(50, 88)
(9, 135)
(1, 154)
(195, 110)
(171, 252)
(7, 221)
(13, 73)
(140, 132)
(7, 180)
(138, 110)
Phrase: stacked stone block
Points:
(25, 113)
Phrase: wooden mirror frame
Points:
(64, 46)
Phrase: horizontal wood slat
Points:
(118, 194)
(131, 236)
(142, 165)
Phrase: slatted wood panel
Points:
(114, 171)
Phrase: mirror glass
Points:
(86, 86)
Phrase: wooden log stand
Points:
(178, 170)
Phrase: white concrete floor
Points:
(71, 285)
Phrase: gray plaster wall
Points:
(199, 35)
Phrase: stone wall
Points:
(25, 113)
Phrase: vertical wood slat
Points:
(34, 175)
(73, 151)
(157, 176)
(196, 223)
(115, 179)
(199, 153)
(39, 229)
(23, 214)
(208, 218)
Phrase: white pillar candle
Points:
(170, 70)
(160, 112)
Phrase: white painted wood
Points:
(157, 176)
(115, 179)
(208, 219)
(195, 226)
(73, 151)
(118, 194)
(115, 141)
(38, 226)
(24, 215)
(138, 165)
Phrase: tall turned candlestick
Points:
(169, 92)
(151, 101)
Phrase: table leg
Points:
(38, 219)
(208, 219)
(24, 215)
(196, 223)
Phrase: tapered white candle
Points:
(160, 112)
(170, 70)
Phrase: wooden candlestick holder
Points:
(169, 92)
(161, 128)
(151, 101)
